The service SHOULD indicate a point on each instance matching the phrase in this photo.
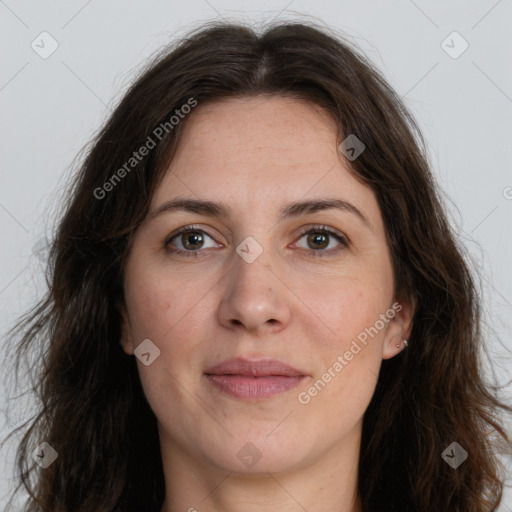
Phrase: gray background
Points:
(50, 107)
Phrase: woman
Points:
(256, 300)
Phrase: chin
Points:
(257, 455)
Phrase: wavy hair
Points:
(91, 407)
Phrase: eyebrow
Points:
(295, 209)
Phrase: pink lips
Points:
(253, 380)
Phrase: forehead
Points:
(261, 152)
(268, 127)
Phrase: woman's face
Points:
(256, 279)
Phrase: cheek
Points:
(161, 312)
(160, 306)
(351, 311)
(349, 306)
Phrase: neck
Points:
(328, 484)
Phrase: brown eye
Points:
(192, 240)
(319, 238)
(187, 240)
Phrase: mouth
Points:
(253, 380)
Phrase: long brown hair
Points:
(92, 410)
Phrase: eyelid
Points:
(325, 228)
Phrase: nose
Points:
(255, 297)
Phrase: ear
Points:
(126, 340)
(399, 327)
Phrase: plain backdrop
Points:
(458, 86)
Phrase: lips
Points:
(259, 368)
(253, 380)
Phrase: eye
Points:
(188, 239)
(318, 240)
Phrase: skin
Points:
(256, 155)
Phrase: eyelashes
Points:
(318, 235)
